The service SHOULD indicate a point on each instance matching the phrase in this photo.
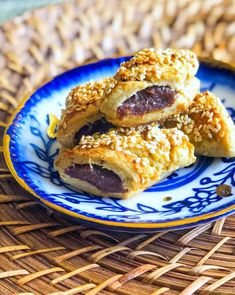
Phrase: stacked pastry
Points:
(123, 134)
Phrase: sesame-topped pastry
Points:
(208, 125)
(149, 64)
(82, 115)
(124, 161)
(152, 86)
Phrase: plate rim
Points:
(154, 225)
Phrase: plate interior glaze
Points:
(186, 198)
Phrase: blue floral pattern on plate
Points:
(192, 189)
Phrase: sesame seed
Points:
(221, 134)
(137, 160)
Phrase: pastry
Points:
(152, 86)
(82, 115)
(208, 125)
(124, 161)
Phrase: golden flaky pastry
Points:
(126, 161)
(152, 86)
(208, 126)
(82, 111)
(156, 65)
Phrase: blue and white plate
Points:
(191, 191)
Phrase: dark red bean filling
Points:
(101, 126)
(146, 100)
(105, 180)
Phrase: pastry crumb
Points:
(224, 190)
(167, 199)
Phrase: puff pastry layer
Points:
(82, 110)
(124, 161)
(208, 125)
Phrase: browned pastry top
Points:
(202, 119)
(83, 95)
(152, 65)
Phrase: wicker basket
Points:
(41, 253)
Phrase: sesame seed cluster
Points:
(202, 120)
(151, 150)
(145, 137)
(93, 92)
(147, 143)
(155, 65)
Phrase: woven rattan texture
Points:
(41, 253)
